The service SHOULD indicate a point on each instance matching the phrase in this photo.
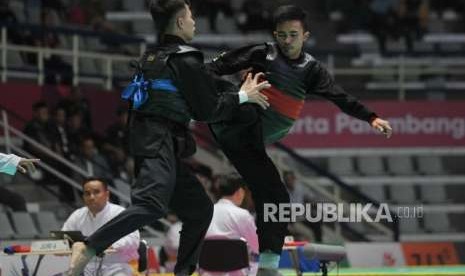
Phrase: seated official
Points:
(88, 219)
(231, 221)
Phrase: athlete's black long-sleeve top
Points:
(292, 82)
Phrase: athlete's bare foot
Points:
(80, 256)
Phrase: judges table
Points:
(38, 264)
(51, 263)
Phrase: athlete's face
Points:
(290, 36)
(186, 24)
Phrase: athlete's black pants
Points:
(163, 182)
(241, 140)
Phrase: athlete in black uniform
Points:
(294, 75)
(170, 88)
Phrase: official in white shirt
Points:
(230, 220)
(88, 219)
(10, 163)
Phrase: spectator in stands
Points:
(76, 103)
(412, 20)
(117, 133)
(10, 163)
(55, 6)
(7, 16)
(98, 211)
(383, 21)
(40, 129)
(214, 7)
(231, 221)
(299, 195)
(57, 71)
(252, 16)
(76, 131)
(116, 145)
(62, 147)
(91, 161)
(60, 131)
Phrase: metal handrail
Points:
(125, 198)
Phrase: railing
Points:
(391, 231)
(10, 147)
(399, 67)
(75, 53)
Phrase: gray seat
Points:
(47, 222)
(14, 59)
(404, 193)
(400, 165)
(371, 165)
(123, 188)
(434, 193)
(24, 225)
(6, 230)
(430, 165)
(409, 225)
(87, 66)
(375, 191)
(133, 5)
(341, 165)
(437, 222)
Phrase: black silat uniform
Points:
(178, 89)
(243, 138)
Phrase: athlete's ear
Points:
(179, 22)
(275, 34)
(306, 35)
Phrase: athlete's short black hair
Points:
(290, 12)
(162, 12)
(229, 184)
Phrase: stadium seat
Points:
(24, 225)
(430, 165)
(122, 187)
(47, 222)
(374, 191)
(371, 165)
(404, 193)
(409, 226)
(434, 193)
(341, 165)
(400, 165)
(6, 230)
(437, 222)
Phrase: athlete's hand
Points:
(252, 88)
(27, 164)
(382, 126)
